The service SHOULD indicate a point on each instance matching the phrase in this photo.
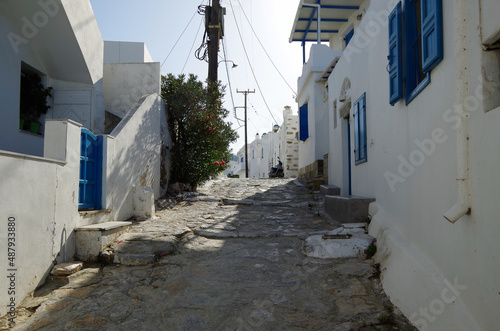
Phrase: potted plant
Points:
(33, 100)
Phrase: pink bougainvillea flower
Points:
(222, 163)
(217, 163)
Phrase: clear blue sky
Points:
(160, 23)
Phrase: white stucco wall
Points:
(264, 151)
(124, 84)
(254, 158)
(42, 195)
(64, 45)
(421, 253)
(489, 21)
(310, 92)
(286, 145)
(126, 52)
(133, 156)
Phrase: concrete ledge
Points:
(315, 184)
(94, 212)
(103, 226)
(329, 190)
(91, 240)
(347, 209)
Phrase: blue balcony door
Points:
(90, 171)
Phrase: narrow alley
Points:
(230, 257)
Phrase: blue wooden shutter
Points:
(355, 118)
(432, 34)
(395, 55)
(304, 125)
(359, 118)
(348, 37)
(362, 128)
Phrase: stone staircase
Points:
(345, 208)
(92, 239)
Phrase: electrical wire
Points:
(265, 51)
(192, 46)
(260, 116)
(228, 79)
(250, 64)
(178, 39)
(202, 52)
(253, 125)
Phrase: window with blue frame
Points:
(303, 123)
(415, 35)
(359, 118)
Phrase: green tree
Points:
(200, 134)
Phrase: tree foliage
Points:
(200, 134)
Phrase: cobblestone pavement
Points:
(228, 258)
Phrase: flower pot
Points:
(34, 127)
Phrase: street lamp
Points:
(234, 64)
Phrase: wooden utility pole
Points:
(214, 34)
(246, 131)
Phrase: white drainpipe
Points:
(463, 206)
(319, 16)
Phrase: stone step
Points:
(92, 239)
(347, 209)
(315, 183)
(329, 190)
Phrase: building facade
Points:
(99, 146)
(264, 151)
(412, 95)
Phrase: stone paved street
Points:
(228, 258)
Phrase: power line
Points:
(260, 116)
(265, 51)
(179, 38)
(227, 71)
(250, 64)
(192, 46)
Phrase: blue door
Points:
(90, 171)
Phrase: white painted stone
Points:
(316, 246)
(144, 202)
(66, 269)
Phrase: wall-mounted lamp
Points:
(234, 64)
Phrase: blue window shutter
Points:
(432, 34)
(360, 137)
(362, 127)
(348, 37)
(304, 125)
(355, 117)
(395, 55)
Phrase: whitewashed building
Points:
(264, 151)
(98, 148)
(413, 103)
(286, 144)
